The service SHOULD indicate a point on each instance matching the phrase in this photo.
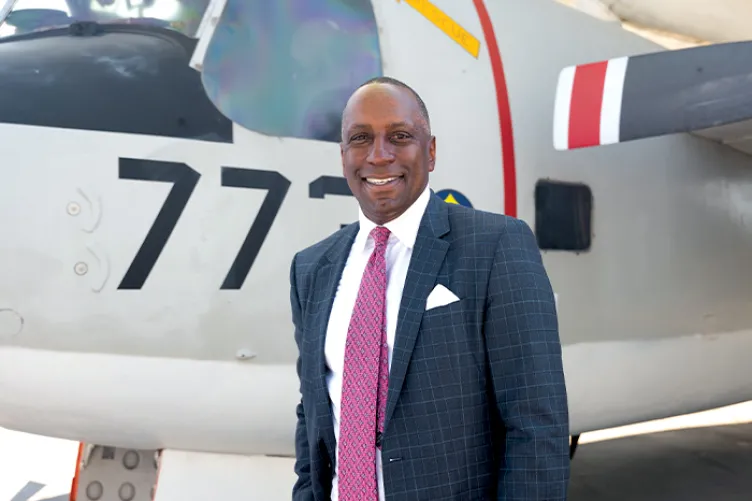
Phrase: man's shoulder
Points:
(467, 221)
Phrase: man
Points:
(429, 357)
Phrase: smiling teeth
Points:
(380, 181)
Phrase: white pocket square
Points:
(440, 296)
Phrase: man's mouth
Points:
(382, 181)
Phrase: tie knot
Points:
(380, 236)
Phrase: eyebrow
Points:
(392, 125)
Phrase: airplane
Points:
(163, 160)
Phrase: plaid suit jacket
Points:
(477, 405)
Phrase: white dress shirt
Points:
(404, 231)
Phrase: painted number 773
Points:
(184, 180)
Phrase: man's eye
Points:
(358, 137)
(401, 136)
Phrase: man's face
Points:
(387, 151)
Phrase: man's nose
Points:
(381, 152)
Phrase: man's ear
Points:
(431, 153)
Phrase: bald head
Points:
(422, 119)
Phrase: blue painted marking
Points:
(451, 195)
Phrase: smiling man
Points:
(429, 355)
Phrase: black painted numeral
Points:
(328, 185)
(276, 185)
(184, 180)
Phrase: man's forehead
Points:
(382, 104)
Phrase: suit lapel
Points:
(328, 275)
(427, 257)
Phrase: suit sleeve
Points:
(525, 358)
(302, 489)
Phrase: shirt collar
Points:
(404, 228)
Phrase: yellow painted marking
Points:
(451, 200)
(446, 24)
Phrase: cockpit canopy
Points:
(283, 68)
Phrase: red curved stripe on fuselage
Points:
(505, 114)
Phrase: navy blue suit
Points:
(477, 406)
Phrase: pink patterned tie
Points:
(365, 381)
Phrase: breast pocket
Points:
(448, 316)
(448, 339)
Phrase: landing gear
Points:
(573, 445)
